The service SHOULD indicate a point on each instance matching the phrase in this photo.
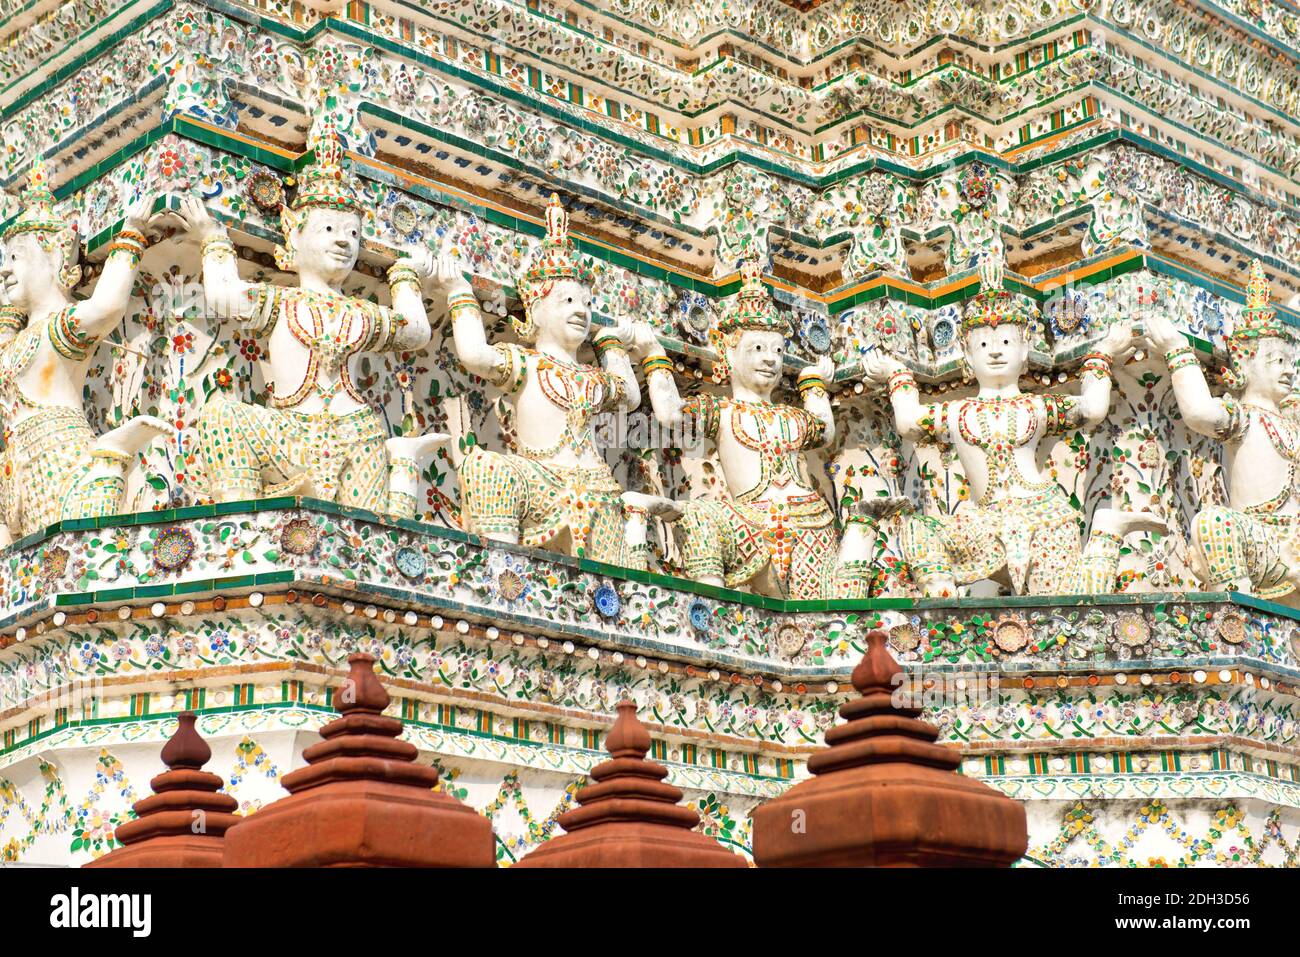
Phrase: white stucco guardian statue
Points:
(317, 435)
(54, 468)
(553, 489)
(1019, 528)
(1248, 546)
(773, 531)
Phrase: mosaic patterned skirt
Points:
(735, 541)
(250, 448)
(509, 494)
(46, 473)
(1234, 545)
(1036, 539)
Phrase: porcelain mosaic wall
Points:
(1126, 157)
(190, 358)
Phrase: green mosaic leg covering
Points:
(926, 548)
(1099, 565)
(99, 489)
(853, 580)
(706, 535)
(1218, 537)
(493, 495)
(358, 441)
(49, 456)
(404, 476)
(241, 442)
(1233, 548)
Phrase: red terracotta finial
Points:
(629, 817)
(185, 748)
(362, 801)
(628, 738)
(362, 692)
(184, 822)
(877, 671)
(885, 793)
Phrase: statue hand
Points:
(197, 221)
(879, 366)
(419, 259)
(823, 368)
(1120, 342)
(624, 330)
(644, 339)
(445, 274)
(1162, 334)
(139, 216)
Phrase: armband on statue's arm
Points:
(810, 383)
(1096, 364)
(129, 243)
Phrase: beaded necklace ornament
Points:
(998, 439)
(783, 431)
(555, 259)
(752, 309)
(330, 343)
(1281, 435)
(778, 433)
(579, 391)
(1258, 321)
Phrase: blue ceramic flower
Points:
(699, 615)
(1068, 315)
(943, 332)
(816, 335)
(607, 602)
(410, 562)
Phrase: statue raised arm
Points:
(54, 467)
(1018, 528)
(317, 435)
(1249, 545)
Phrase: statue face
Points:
(27, 268)
(326, 242)
(997, 354)
(756, 360)
(1270, 372)
(563, 315)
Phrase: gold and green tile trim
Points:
(1100, 269)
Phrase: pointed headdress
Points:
(753, 309)
(1258, 321)
(993, 306)
(39, 217)
(325, 183)
(555, 259)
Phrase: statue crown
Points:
(557, 222)
(38, 214)
(326, 183)
(1259, 319)
(753, 307)
(556, 259)
(993, 306)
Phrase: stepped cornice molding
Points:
(73, 99)
(900, 31)
(1089, 186)
(937, 98)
